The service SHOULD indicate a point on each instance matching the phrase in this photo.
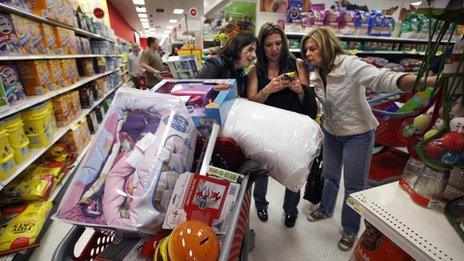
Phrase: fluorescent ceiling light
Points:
(172, 21)
(169, 27)
(178, 11)
(168, 31)
(138, 2)
(417, 3)
(143, 15)
(152, 29)
(140, 9)
(145, 26)
(144, 20)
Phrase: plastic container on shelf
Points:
(7, 162)
(37, 126)
(51, 116)
(17, 138)
(429, 187)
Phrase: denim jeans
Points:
(291, 199)
(354, 153)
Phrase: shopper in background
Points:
(237, 54)
(151, 62)
(348, 123)
(267, 84)
(135, 71)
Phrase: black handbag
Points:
(315, 182)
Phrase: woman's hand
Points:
(277, 84)
(296, 86)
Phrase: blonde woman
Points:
(349, 124)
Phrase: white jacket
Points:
(345, 107)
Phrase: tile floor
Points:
(305, 241)
(274, 241)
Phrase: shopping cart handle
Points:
(65, 249)
(384, 97)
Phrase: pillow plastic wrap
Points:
(281, 141)
(126, 179)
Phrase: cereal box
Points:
(62, 39)
(19, 4)
(50, 45)
(70, 70)
(23, 34)
(46, 8)
(58, 74)
(62, 108)
(11, 80)
(37, 45)
(36, 77)
(75, 104)
(8, 38)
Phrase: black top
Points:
(287, 99)
(221, 67)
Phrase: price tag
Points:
(356, 205)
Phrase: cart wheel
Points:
(248, 244)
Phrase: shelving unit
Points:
(31, 101)
(423, 233)
(9, 9)
(52, 57)
(370, 38)
(36, 153)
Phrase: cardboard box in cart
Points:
(218, 107)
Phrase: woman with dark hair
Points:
(238, 53)
(269, 83)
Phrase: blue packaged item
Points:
(295, 7)
(375, 23)
(388, 24)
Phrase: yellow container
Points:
(51, 116)
(7, 162)
(17, 138)
(37, 126)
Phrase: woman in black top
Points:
(238, 53)
(268, 84)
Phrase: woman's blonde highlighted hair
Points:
(329, 47)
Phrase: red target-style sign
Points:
(98, 12)
(193, 11)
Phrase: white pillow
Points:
(281, 141)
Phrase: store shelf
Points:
(355, 52)
(31, 101)
(52, 57)
(10, 9)
(371, 38)
(36, 153)
(423, 233)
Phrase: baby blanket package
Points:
(126, 179)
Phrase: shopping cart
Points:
(387, 164)
(238, 241)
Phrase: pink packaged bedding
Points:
(126, 179)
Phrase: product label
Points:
(178, 123)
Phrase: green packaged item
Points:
(3, 99)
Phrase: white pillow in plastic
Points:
(281, 141)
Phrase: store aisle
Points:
(306, 241)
